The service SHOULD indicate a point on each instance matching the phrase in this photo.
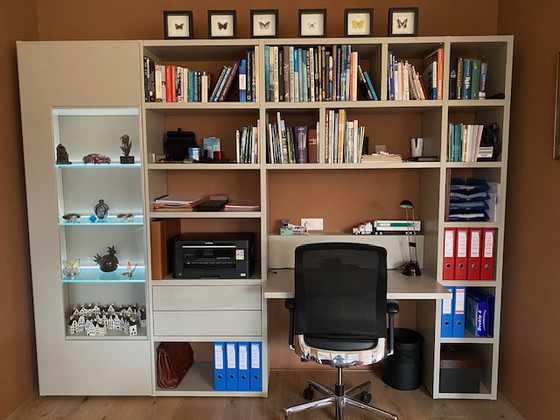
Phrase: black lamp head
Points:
(406, 204)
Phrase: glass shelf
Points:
(78, 164)
(94, 275)
(109, 221)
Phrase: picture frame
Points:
(264, 23)
(403, 21)
(178, 24)
(556, 149)
(222, 24)
(358, 22)
(312, 23)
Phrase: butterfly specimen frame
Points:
(221, 24)
(178, 24)
(358, 22)
(403, 21)
(312, 23)
(264, 23)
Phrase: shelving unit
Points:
(283, 191)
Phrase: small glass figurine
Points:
(71, 269)
(108, 262)
(101, 209)
(62, 155)
(126, 145)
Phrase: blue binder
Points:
(219, 366)
(256, 366)
(243, 366)
(459, 297)
(447, 315)
(231, 366)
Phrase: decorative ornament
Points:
(108, 262)
(71, 269)
(126, 146)
(101, 209)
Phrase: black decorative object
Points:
(178, 24)
(62, 155)
(126, 145)
(491, 138)
(101, 209)
(108, 262)
(411, 268)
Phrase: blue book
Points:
(480, 313)
(447, 316)
(391, 76)
(243, 366)
(296, 75)
(219, 366)
(231, 366)
(242, 80)
(370, 86)
(459, 297)
(467, 78)
(255, 383)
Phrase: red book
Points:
(169, 83)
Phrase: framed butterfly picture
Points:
(403, 21)
(312, 23)
(264, 23)
(221, 24)
(178, 24)
(358, 22)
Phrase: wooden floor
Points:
(285, 390)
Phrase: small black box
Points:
(460, 370)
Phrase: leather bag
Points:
(173, 363)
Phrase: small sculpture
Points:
(126, 145)
(130, 269)
(108, 262)
(96, 158)
(101, 209)
(62, 155)
(71, 217)
(71, 269)
(126, 217)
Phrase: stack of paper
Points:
(176, 203)
(381, 157)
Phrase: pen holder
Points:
(416, 146)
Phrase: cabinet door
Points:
(87, 95)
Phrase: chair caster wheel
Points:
(365, 397)
(308, 393)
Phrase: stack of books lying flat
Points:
(381, 157)
(176, 203)
(239, 206)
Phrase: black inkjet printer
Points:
(213, 255)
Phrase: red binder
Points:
(488, 246)
(461, 258)
(448, 254)
(475, 239)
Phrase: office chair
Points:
(339, 318)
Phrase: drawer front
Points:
(204, 298)
(209, 323)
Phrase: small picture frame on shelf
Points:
(264, 23)
(312, 23)
(358, 22)
(178, 24)
(403, 21)
(221, 24)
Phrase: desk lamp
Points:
(411, 268)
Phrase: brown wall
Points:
(18, 20)
(530, 348)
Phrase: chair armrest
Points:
(290, 305)
(392, 309)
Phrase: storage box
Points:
(460, 370)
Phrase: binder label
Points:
(461, 243)
(218, 357)
(489, 244)
(255, 356)
(459, 300)
(243, 358)
(230, 357)
(449, 236)
(475, 243)
(447, 306)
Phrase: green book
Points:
(475, 80)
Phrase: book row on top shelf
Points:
(326, 72)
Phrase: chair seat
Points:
(341, 343)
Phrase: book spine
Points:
(227, 71)
(158, 83)
(453, 79)
(391, 76)
(363, 84)
(483, 78)
(475, 85)
(467, 75)
(146, 79)
(229, 82)
(286, 72)
(440, 73)
(249, 94)
(267, 73)
(275, 85)
(460, 69)
(243, 80)
(217, 85)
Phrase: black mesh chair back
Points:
(341, 294)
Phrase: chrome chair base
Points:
(339, 401)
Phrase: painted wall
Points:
(530, 362)
(18, 20)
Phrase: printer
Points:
(212, 255)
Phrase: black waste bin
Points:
(403, 369)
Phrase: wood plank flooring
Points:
(285, 390)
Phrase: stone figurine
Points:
(62, 155)
(126, 146)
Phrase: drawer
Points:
(206, 298)
(230, 323)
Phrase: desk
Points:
(280, 285)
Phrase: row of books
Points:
(172, 83)
(247, 144)
(470, 309)
(312, 74)
(285, 144)
(344, 138)
(468, 78)
(406, 83)
(464, 142)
